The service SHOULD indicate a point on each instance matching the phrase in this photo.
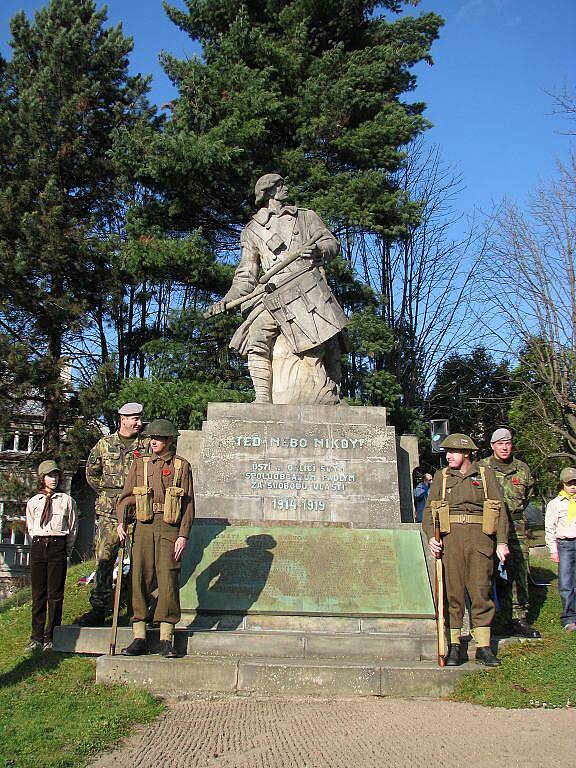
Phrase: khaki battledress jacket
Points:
(465, 496)
(160, 476)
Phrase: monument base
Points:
(300, 576)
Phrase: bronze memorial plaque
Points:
(305, 570)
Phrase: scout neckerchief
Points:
(47, 506)
(571, 505)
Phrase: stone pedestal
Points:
(302, 463)
(267, 478)
(300, 576)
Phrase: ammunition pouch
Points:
(143, 494)
(173, 504)
(441, 509)
(490, 515)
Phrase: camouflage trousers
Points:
(514, 596)
(106, 550)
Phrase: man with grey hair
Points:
(290, 312)
(106, 471)
(517, 484)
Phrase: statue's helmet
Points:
(265, 183)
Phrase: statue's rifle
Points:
(264, 284)
(439, 583)
(116, 609)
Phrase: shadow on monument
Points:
(230, 585)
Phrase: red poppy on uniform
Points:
(475, 482)
(166, 471)
(136, 454)
(515, 481)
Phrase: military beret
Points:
(567, 474)
(459, 442)
(161, 428)
(131, 409)
(48, 466)
(500, 434)
(265, 182)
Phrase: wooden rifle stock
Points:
(118, 590)
(439, 598)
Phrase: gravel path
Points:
(229, 732)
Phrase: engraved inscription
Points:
(256, 441)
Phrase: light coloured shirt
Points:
(556, 523)
(63, 519)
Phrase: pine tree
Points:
(64, 96)
(309, 88)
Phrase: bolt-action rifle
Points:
(439, 584)
(115, 612)
(264, 286)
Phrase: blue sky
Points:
(487, 95)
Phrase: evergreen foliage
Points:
(474, 392)
(63, 95)
(311, 90)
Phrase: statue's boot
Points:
(260, 368)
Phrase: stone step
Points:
(337, 625)
(96, 640)
(280, 677)
(346, 647)
(365, 647)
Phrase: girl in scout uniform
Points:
(52, 524)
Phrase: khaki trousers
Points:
(153, 560)
(468, 566)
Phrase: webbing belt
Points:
(466, 519)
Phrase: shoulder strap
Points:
(484, 484)
(444, 480)
(177, 468)
(146, 459)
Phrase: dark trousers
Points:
(48, 572)
(567, 579)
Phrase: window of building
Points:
(8, 441)
(24, 440)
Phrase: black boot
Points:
(485, 657)
(95, 617)
(453, 658)
(167, 650)
(521, 628)
(136, 648)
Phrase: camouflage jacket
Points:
(516, 482)
(107, 468)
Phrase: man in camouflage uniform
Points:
(517, 485)
(106, 471)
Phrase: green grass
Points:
(533, 674)
(52, 712)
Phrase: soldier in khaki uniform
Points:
(474, 524)
(517, 486)
(159, 493)
(106, 471)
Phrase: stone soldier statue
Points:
(106, 471)
(158, 492)
(291, 333)
(517, 486)
(473, 523)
